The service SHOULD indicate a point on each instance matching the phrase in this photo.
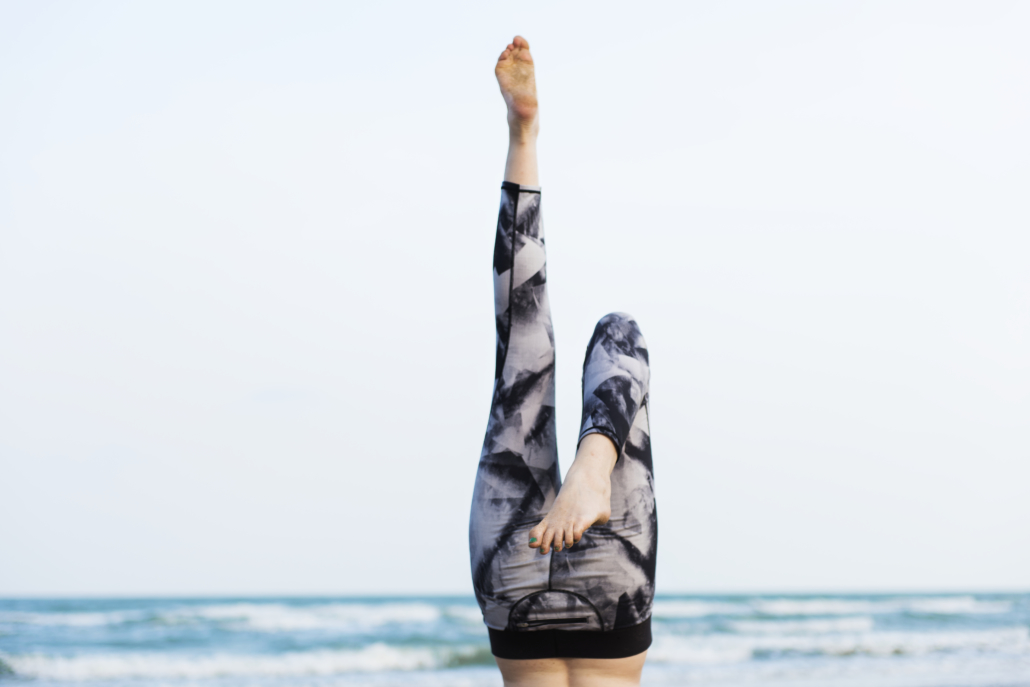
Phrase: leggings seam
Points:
(511, 285)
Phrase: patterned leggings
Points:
(592, 600)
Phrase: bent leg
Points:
(616, 379)
(617, 403)
(614, 562)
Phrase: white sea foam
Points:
(469, 614)
(939, 670)
(278, 617)
(261, 617)
(371, 659)
(945, 605)
(358, 616)
(789, 607)
(806, 626)
(728, 648)
(956, 605)
(697, 609)
(84, 619)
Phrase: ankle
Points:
(522, 133)
(592, 468)
(596, 454)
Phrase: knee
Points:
(620, 331)
(620, 325)
(620, 320)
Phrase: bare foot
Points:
(584, 500)
(515, 76)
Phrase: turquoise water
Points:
(770, 640)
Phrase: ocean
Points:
(967, 640)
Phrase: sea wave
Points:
(468, 614)
(70, 618)
(695, 650)
(940, 670)
(371, 659)
(356, 616)
(806, 626)
(672, 609)
(700, 649)
(944, 605)
(278, 617)
(258, 617)
(957, 605)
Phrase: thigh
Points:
(606, 672)
(534, 672)
(572, 672)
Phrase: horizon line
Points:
(4, 596)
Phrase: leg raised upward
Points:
(517, 78)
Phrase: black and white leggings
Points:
(592, 600)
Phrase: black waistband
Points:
(626, 641)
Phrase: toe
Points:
(536, 535)
(520, 42)
(545, 541)
(559, 539)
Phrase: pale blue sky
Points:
(246, 338)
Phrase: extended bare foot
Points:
(516, 77)
(584, 499)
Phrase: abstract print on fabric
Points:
(604, 583)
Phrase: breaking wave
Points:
(371, 659)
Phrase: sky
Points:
(246, 329)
